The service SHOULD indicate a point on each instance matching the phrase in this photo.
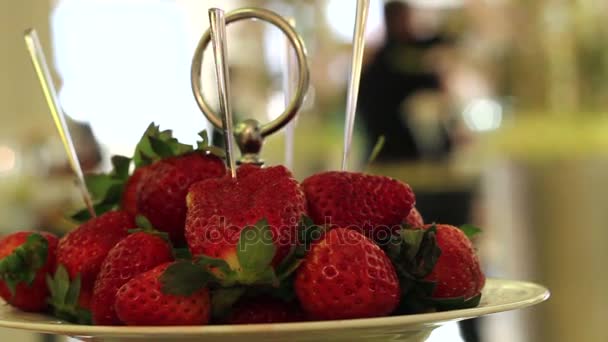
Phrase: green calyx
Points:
(107, 188)
(255, 251)
(205, 145)
(144, 226)
(155, 145)
(184, 278)
(223, 300)
(64, 296)
(470, 230)
(254, 275)
(414, 253)
(378, 146)
(22, 265)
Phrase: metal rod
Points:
(355, 77)
(289, 88)
(217, 23)
(50, 94)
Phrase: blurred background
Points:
(495, 111)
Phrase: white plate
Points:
(498, 296)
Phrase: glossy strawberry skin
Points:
(374, 205)
(344, 276)
(135, 254)
(218, 209)
(265, 310)
(163, 189)
(414, 219)
(141, 302)
(32, 297)
(83, 250)
(457, 272)
(129, 197)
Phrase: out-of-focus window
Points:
(124, 64)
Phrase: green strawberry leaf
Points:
(73, 291)
(121, 166)
(414, 253)
(470, 230)
(155, 145)
(183, 278)
(205, 146)
(307, 233)
(161, 148)
(255, 249)
(142, 222)
(445, 304)
(414, 299)
(285, 290)
(64, 295)
(208, 263)
(204, 142)
(378, 146)
(223, 299)
(105, 189)
(83, 215)
(412, 239)
(22, 265)
(143, 154)
(182, 253)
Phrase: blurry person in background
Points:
(402, 97)
(399, 70)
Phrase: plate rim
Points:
(540, 294)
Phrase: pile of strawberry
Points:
(179, 242)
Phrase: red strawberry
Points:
(163, 189)
(25, 260)
(414, 219)
(219, 209)
(135, 254)
(345, 275)
(457, 272)
(129, 196)
(83, 250)
(265, 310)
(373, 205)
(141, 301)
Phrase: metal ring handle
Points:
(303, 72)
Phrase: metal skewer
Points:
(355, 77)
(217, 23)
(289, 85)
(50, 94)
(250, 133)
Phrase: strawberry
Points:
(262, 204)
(143, 300)
(83, 250)
(345, 275)
(265, 310)
(135, 254)
(414, 219)
(437, 267)
(374, 205)
(25, 260)
(457, 272)
(128, 200)
(163, 189)
(116, 189)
